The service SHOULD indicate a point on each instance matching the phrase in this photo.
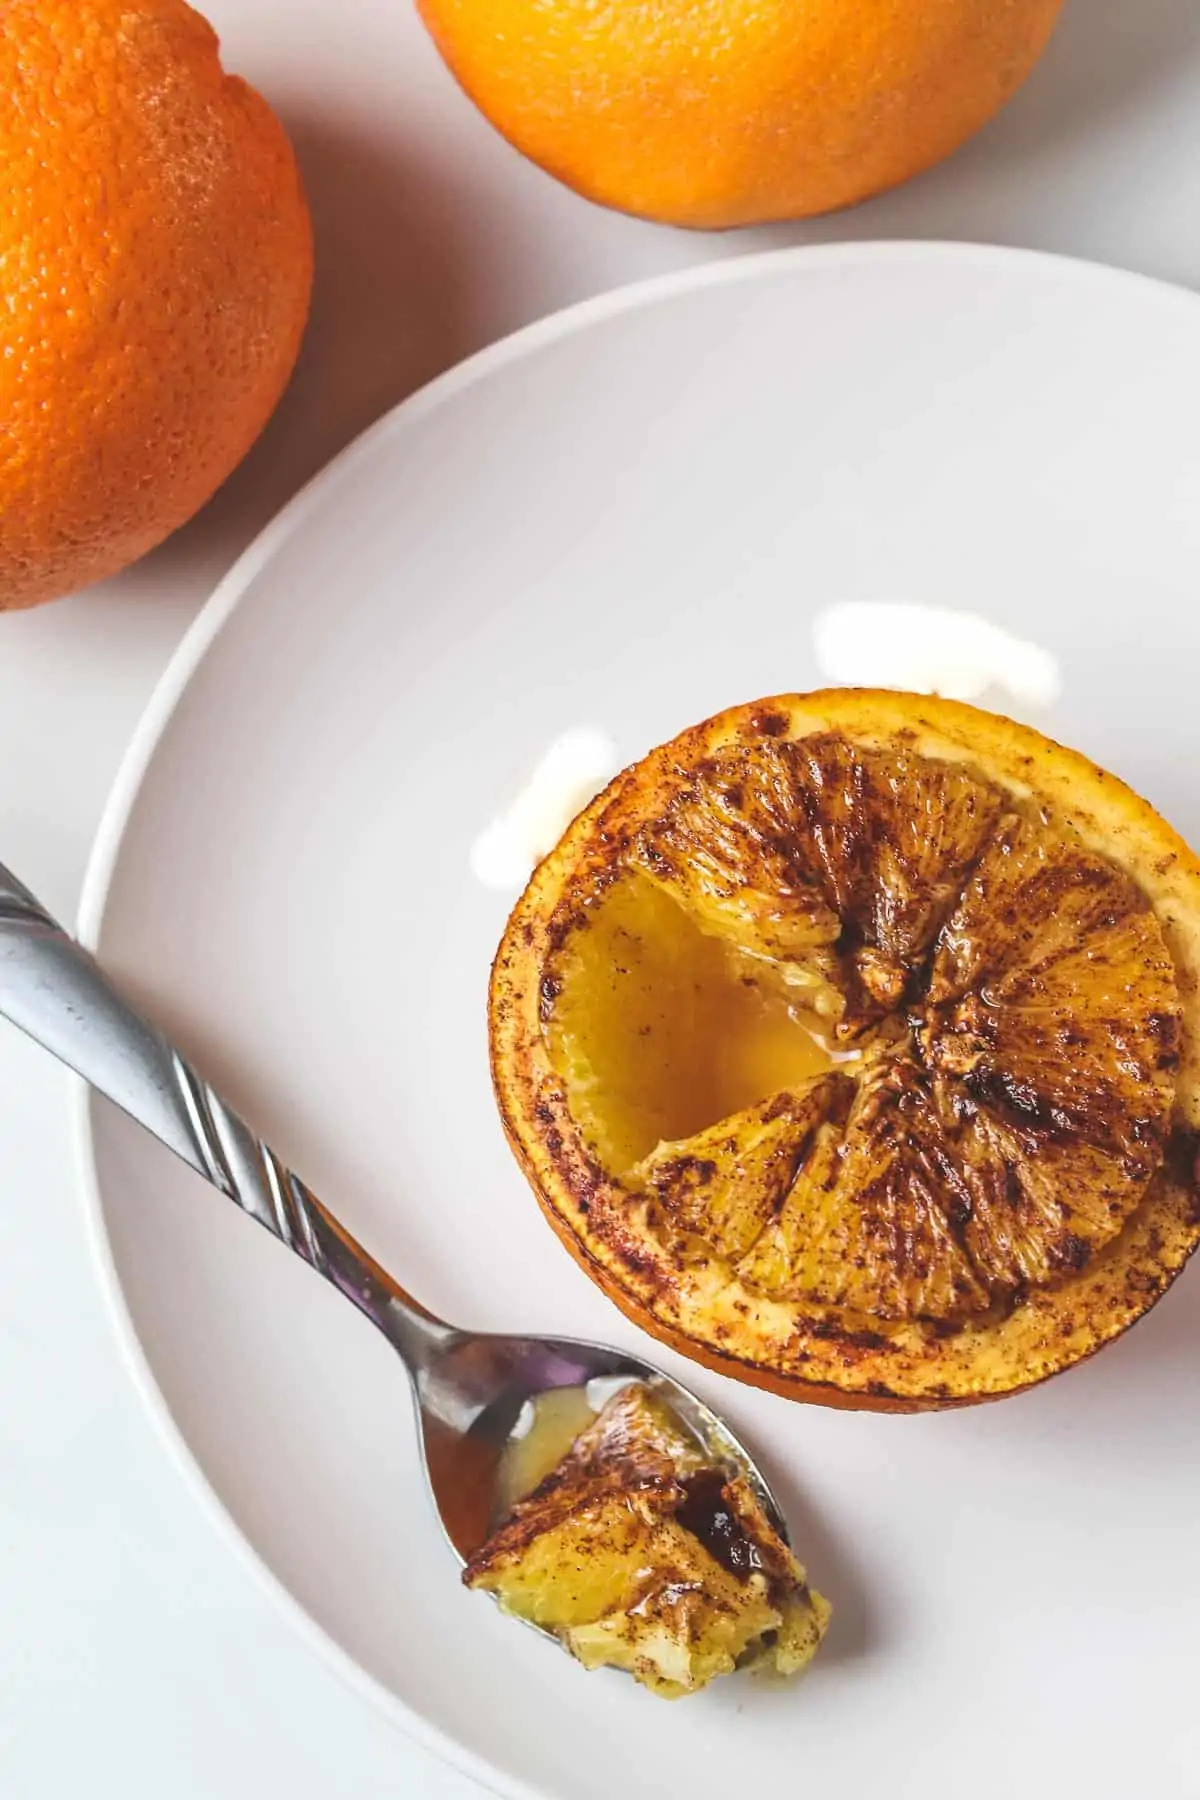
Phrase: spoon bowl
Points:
(472, 1389)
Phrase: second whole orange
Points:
(157, 260)
(714, 113)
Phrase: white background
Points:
(137, 1656)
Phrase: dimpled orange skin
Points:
(157, 265)
(712, 113)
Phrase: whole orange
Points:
(732, 112)
(157, 265)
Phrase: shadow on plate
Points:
(1126, 1407)
(856, 1629)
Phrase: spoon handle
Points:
(55, 991)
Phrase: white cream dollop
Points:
(571, 773)
(931, 650)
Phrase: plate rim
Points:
(169, 689)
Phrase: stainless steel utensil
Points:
(470, 1387)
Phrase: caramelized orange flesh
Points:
(641, 1553)
(1012, 990)
(662, 1029)
(1002, 1176)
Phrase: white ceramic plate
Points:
(627, 517)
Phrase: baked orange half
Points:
(850, 1042)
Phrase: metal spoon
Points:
(470, 1387)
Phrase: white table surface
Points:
(137, 1655)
